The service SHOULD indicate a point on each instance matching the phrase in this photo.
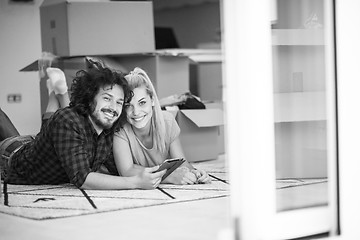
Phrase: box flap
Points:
(34, 66)
(51, 2)
(205, 117)
(108, 61)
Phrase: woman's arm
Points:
(186, 177)
(176, 151)
(182, 174)
(123, 158)
(133, 176)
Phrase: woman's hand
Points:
(201, 176)
(181, 176)
(147, 179)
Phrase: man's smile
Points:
(110, 113)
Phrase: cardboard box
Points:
(206, 73)
(218, 105)
(169, 74)
(78, 28)
(200, 133)
(209, 81)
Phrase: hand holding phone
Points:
(170, 165)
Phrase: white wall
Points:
(20, 44)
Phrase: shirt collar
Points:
(94, 132)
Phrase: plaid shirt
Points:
(67, 149)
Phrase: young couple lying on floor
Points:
(110, 134)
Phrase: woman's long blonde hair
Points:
(139, 78)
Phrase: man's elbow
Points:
(85, 186)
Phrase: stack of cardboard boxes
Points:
(121, 34)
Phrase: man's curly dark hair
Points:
(87, 84)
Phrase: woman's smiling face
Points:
(139, 110)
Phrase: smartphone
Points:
(170, 165)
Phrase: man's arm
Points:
(70, 145)
(144, 180)
(95, 180)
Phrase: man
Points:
(75, 143)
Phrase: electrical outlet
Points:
(14, 98)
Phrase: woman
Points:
(150, 135)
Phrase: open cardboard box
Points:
(218, 105)
(200, 134)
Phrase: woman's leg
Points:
(7, 128)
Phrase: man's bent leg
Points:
(8, 148)
(7, 128)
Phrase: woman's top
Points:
(150, 157)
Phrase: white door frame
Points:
(348, 66)
(250, 146)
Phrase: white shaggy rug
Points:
(41, 202)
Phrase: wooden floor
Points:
(197, 220)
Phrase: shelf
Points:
(299, 106)
(297, 37)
